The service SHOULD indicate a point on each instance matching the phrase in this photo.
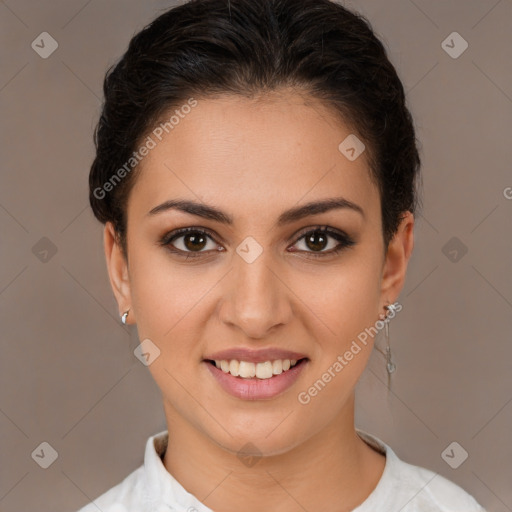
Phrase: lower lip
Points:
(254, 388)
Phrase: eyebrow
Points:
(287, 217)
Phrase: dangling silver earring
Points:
(390, 365)
(124, 316)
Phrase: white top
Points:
(402, 487)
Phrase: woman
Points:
(256, 172)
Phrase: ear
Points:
(117, 267)
(397, 258)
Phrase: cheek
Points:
(344, 300)
(165, 294)
(171, 301)
(167, 299)
(344, 308)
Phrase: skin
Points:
(255, 158)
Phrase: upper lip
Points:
(254, 356)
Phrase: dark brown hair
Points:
(247, 47)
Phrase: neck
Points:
(333, 470)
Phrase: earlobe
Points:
(397, 258)
(117, 269)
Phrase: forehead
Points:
(261, 155)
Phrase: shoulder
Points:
(409, 488)
(119, 498)
(424, 490)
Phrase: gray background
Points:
(68, 373)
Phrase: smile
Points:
(256, 381)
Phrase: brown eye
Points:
(317, 240)
(188, 241)
(194, 241)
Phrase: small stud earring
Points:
(124, 316)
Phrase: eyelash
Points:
(344, 240)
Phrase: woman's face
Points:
(257, 282)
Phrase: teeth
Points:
(234, 367)
(277, 367)
(264, 370)
(248, 370)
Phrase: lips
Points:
(251, 387)
(254, 388)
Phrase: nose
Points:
(256, 299)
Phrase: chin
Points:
(258, 436)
